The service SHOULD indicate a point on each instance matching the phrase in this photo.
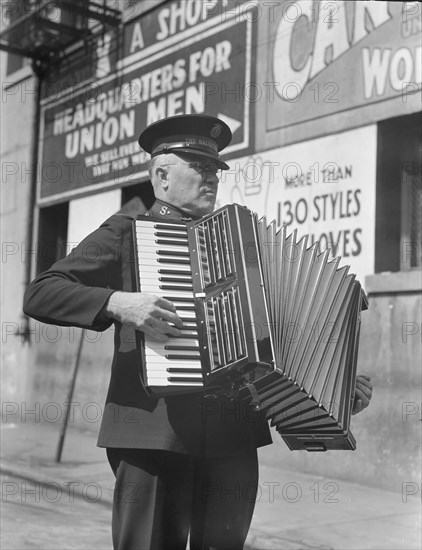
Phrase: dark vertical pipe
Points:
(38, 69)
(70, 397)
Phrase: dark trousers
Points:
(161, 496)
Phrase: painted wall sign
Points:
(89, 134)
(330, 57)
(324, 188)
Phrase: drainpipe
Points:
(38, 68)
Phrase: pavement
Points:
(293, 510)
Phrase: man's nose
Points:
(211, 178)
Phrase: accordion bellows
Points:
(269, 319)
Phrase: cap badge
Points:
(216, 130)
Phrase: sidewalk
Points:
(293, 510)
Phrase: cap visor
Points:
(190, 151)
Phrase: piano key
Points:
(153, 253)
(159, 369)
(164, 378)
(188, 372)
(157, 270)
(174, 251)
(182, 272)
(176, 287)
(144, 239)
(171, 243)
(181, 348)
(157, 348)
(155, 373)
(151, 247)
(148, 235)
(180, 299)
(173, 261)
(190, 385)
(182, 378)
(188, 317)
(170, 227)
(162, 351)
(159, 354)
(188, 338)
(155, 345)
(148, 281)
(184, 357)
(159, 292)
(151, 278)
(154, 269)
(186, 334)
(175, 279)
(166, 236)
(162, 361)
(165, 226)
(174, 384)
(171, 233)
(154, 283)
(167, 280)
(148, 287)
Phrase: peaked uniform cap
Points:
(200, 135)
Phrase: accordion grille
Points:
(225, 332)
(215, 246)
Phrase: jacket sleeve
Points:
(74, 290)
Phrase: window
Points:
(398, 235)
(411, 207)
(52, 235)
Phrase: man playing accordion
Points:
(177, 458)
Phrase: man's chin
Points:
(205, 208)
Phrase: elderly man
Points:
(181, 466)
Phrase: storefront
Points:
(324, 76)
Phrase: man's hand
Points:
(363, 393)
(146, 312)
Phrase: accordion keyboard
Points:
(165, 270)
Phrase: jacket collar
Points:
(166, 210)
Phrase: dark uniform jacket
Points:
(74, 291)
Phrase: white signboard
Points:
(324, 188)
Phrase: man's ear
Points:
(162, 177)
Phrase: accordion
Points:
(267, 319)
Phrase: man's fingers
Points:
(360, 396)
(164, 328)
(366, 390)
(166, 304)
(357, 407)
(363, 393)
(169, 316)
(155, 334)
(364, 381)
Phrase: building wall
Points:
(17, 112)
